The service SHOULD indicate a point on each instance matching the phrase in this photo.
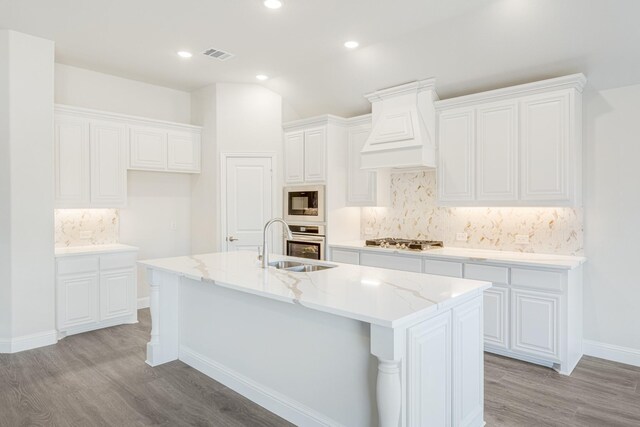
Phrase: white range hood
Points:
(403, 132)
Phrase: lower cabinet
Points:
(536, 323)
(496, 317)
(91, 294)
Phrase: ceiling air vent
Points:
(218, 54)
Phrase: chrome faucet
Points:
(265, 249)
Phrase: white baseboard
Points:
(28, 342)
(615, 353)
(143, 302)
(279, 404)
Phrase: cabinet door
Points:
(429, 372)
(184, 152)
(545, 130)
(71, 151)
(497, 146)
(147, 148)
(294, 157)
(117, 293)
(77, 299)
(315, 145)
(108, 171)
(496, 315)
(468, 364)
(455, 155)
(361, 184)
(535, 327)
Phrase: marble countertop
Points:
(93, 249)
(369, 294)
(479, 255)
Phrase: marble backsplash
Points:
(414, 214)
(80, 227)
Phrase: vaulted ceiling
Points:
(467, 45)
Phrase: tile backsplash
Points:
(79, 227)
(414, 214)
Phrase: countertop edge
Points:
(121, 248)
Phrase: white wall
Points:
(5, 193)
(28, 177)
(155, 200)
(236, 118)
(612, 209)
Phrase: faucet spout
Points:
(265, 249)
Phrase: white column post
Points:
(387, 345)
(164, 345)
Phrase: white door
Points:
(71, 147)
(361, 184)
(315, 146)
(184, 152)
(108, 168)
(147, 148)
(77, 300)
(535, 328)
(117, 293)
(496, 317)
(247, 193)
(456, 153)
(294, 157)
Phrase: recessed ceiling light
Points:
(185, 54)
(273, 4)
(262, 77)
(351, 44)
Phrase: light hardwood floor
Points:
(100, 379)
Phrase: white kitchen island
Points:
(349, 345)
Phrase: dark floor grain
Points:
(100, 379)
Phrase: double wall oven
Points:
(304, 210)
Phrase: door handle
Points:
(231, 239)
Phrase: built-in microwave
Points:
(304, 204)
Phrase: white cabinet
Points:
(392, 262)
(95, 291)
(305, 155)
(496, 317)
(183, 152)
(71, 151)
(456, 155)
(147, 148)
(365, 187)
(344, 256)
(535, 328)
(442, 268)
(519, 146)
(108, 170)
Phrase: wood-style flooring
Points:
(100, 379)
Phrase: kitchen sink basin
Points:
(298, 267)
(285, 265)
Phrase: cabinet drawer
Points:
(443, 268)
(486, 272)
(537, 279)
(72, 265)
(347, 257)
(393, 262)
(114, 261)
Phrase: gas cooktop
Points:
(408, 244)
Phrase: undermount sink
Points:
(298, 266)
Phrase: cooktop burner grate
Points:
(408, 244)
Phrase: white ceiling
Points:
(467, 45)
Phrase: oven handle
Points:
(306, 239)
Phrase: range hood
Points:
(403, 131)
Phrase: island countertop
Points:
(373, 295)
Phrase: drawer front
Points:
(537, 279)
(76, 264)
(347, 257)
(118, 261)
(392, 262)
(489, 273)
(443, 268)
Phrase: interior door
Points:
(248, 200)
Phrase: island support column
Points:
(164, 345)
(387, 345)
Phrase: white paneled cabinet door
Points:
(117, 293)
(535, 325)
(108, 171)
(468, 369)
(545, 133)
(71, 151)
(497, 152)
(147, 148)
(429, 372)
(77, 300)
(496, 315)
(456, 166)
(315, 146)
(183, 152)
(294, 157)
(361, 184)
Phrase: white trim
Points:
(222, 202)
(364, 119)
(28, 342)
(412, 87)
(324, 119)
(143, 302)
(281, 405)
(615, 353)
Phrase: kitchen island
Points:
(347, 345)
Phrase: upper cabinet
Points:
(519, 146)
(305, 155)
(94, 149)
